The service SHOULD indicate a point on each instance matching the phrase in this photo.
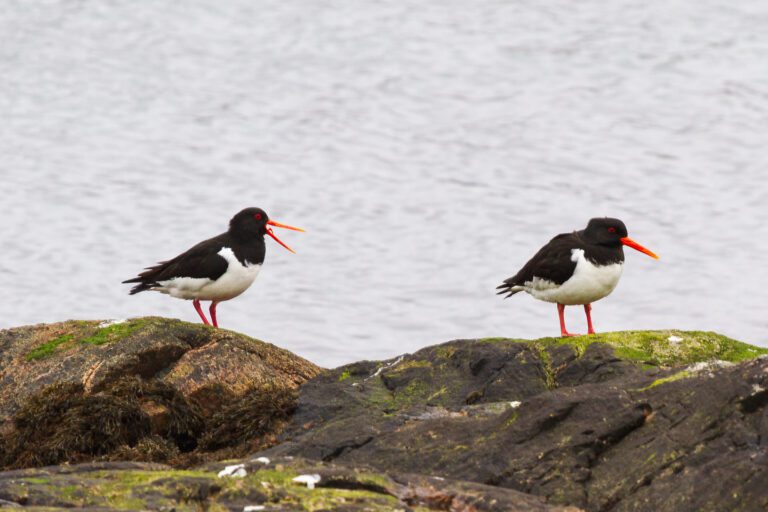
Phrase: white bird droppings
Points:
(235, 471)
(107, 323)
(515, 404)
(310, 480)
(253, 508)
(382, 368)
(263, 460)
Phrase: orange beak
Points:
(278, 225)
(631, 243)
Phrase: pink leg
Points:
(213, 314)
(199, 310)
(561, 313)
(588, 311)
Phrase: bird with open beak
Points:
(217, 269)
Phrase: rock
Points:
(632, 421)
(145, 388)
(275, 486)
(621, 421)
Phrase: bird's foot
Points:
(566, 334)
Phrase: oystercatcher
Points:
(217, 269)
(576, 268)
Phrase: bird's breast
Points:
(237, 278)
(234, 281)
(590, 282)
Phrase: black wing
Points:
(553, 262)
(201, 260)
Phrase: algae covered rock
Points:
(142, 389)
(249, 484)
(619, 421)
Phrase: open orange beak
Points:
(631, 243)
(278, 225)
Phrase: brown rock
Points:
(165, 381)
(159, 415)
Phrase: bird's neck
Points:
(604, 254)
(249, 249)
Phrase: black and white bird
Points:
(217, 269)
(576, 268)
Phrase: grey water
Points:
(429, 148)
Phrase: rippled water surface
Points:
(428, 147)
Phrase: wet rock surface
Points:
(632, 421)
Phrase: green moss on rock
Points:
(114, 332)
(672, 378)
(658, 348)
(85, 333)
(203, 489)
(546, 364)
(47, 349)
(672, 348)
(413, 363)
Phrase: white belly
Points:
(232, 283)
(588, 284)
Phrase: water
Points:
(428, 147)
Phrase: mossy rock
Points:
(254, 486)
(660, 348)
(86, 333)
(640, 420)
(615, 421)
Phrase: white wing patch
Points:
(588, 283)
(576, 255)
(230, 284)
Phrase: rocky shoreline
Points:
(158, 414)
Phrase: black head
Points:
(605, 231)
(249, 223)
(612, 233)
(254, 223)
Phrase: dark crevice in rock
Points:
(353, 485)
(613, 437)
(548, 422)
(754, 402)
(343, 449)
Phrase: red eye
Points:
(611, 230)
(258, 217)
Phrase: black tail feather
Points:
(506, 287)
(141, 287)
